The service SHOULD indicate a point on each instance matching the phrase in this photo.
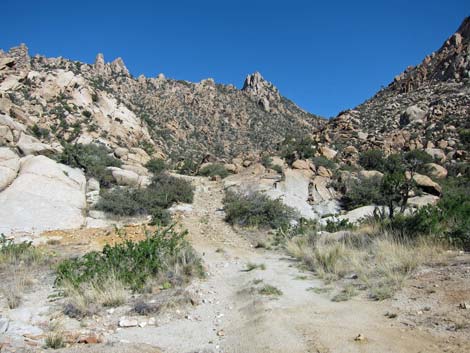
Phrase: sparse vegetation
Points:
(250, 266)
(214, 169)
(93, 159)
(156, 165)
(293, 149)
(256, 210)
(133, 263)
(164, 191)
(270, 290)
(372, 160)
(381, 261)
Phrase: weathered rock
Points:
(9, 167)
(294, 192)
(436, 153)
(424, 200)
(300, 164)
(412, 115)
(435, 170)
(30, 145)
(327, 152)
(324, 172)
(368, 174)
(93, 185)
(427, 185)
(42, 197)
(127, 322)
(231, 168)
(125, 177)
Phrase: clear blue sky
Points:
(324, 55)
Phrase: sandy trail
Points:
(233, 317)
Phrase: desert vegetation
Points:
(256, 210)
(106, 278)
(164, 191)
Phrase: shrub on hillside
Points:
(297, 148)
(164, 191)
(362, 193)
(156, 165)
(93, 159)
(372, 160)
(323, 162)
(213, 170)
(256, 210)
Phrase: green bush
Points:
(267, 161)
(93, 159)
(336, 226)
(293, 149)
(156, 165)
(323, 162)
(372, 160)
(362, 193)
(132, 263)
(213, 170)
(256, 210)
(464, 135)
(448, 221)
(163, 192)
(188, 167)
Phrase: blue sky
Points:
(326, 56)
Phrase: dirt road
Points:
(234, 317)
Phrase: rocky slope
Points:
(77, 102)
(426, 106)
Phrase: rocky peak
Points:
(99, 62)
(21, 56)
(265, 92)
(450, 63)
(118, 67)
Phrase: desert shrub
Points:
(418, 157)
(256, 210)
(459, 169)
(455, 210)
(323, 162)
(40, 132)
(464, 135)
(297, 148)
(448, 221)
(336, 226)
(163, 192)
(133, 263)
(372, 160)
(213, 170)
(362, 193)
(189, 166)
(156, 165)
(93, 159)
(266, 161)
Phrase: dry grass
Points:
(55, 338)
(88, 298)
(381, 261)
(16, 264)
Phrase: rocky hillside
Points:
(62, 100)
(425, 107)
